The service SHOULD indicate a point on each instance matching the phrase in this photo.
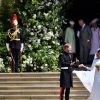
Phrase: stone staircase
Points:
(36, 86)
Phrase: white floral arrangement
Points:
(1, 64)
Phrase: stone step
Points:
(36, 74)
(31, 79)
(36, 88)
(39, 92)
(36, 85)
(39, 97)
(31, 74)
(34, 82)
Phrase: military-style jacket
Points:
(15, 38)
(66, 79)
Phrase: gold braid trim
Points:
(12, 35)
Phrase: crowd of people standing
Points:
(88, 43)
(85, 41)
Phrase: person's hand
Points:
(82, 66)
(88, 40)
(72, 63)
(77, 61)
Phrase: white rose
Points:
(34, 16)
(34, 68)
(34, 26)
(1, 59)
(41, 67)
(39, 26)
(53, 42)
(23, 56)
(24, 13)
(46, 65)
(38, 41)
(50, 34)
(31, 33)
(46, 14)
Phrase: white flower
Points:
(34, 68)
(38, 41)
(50, 34)
(30, 47)
(23, 56)
(46, 65)
(1, 60)
(41, 67)
(49, 3)
(31, 33)
(31, 65)
(57, 43)
(24, 62)
(9, 69)
(55, 28)
(57, 34)
(46, 14)
(49, 46)
(24, 13)
(51, 52)
(46, 38)
(23, 65)
(45, 30)
(34, 16)
(56, 20)
(53, 42)
(34, 27)
(39, 26)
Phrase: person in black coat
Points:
(66, 65)
(14, 43)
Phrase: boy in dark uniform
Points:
(66, 64)
(14, 43)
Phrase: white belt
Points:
(15, 39)
(64, 67)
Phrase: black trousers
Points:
(66, 91)
(15, 56)
(84, 54)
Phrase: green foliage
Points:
(42, 25)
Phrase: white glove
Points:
(7, 45)
(22, 46)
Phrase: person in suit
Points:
(66, 65)
(14, 43)
(85, 41)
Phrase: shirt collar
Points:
(83, 26)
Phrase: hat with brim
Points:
(94, 21)
(71, 22)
